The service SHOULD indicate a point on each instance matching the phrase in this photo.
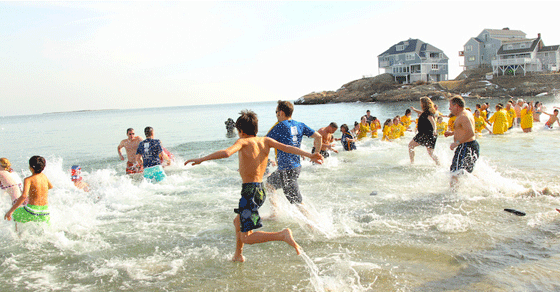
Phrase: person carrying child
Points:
(253, 157)
(36, 189)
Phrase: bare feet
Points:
(238, 258)
(289, 239)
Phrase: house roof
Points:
(507, 32)
(501, 51)
(549, 48)
(414, 45)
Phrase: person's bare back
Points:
(38, 186)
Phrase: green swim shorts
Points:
(32, 213)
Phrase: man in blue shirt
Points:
(150, 154)
(289, 132)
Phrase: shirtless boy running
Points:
(467, 150)
(552, 118)
(130, 145)
(36, 187)
(253, 157)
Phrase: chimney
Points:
(505, 28)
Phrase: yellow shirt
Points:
(510, 116)
(499, 121)
(451, 123)
(374, 126)
(395, 131)
(441, 128)
(479, 124)
(386, 131)
(526, 119)
(405, 120)
(364, 129)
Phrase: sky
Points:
(70, 56)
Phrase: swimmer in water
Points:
(76, 177)
(552, 118)
(253, 157)
(9, 181)
(36, 188)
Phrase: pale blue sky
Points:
(69, 56)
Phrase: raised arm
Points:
(225, 153)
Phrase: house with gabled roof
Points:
(481, 50)
(510, 52)
(526, 55)
(414, 60)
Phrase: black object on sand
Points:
(518, 213)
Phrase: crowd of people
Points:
(147, 156)
(518, 113)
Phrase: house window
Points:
(434, 55)
(522, 46)
(509, 47)
(472, 58)
(400, 47)
(435, 66)
(468, 48)
(409, 57)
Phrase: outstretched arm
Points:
(315, 157)
(225, 153)
(416, 110)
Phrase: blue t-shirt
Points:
(289, 132)
(150, 149)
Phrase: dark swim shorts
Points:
(465, 156)
(252, 198)
(287, 180)
(427, 140)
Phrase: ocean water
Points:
(376, 222)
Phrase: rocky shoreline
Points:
(469, 84)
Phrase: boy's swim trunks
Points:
(32, 213)
(252, 198)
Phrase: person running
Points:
(427, 130)
(253, 157)
(150, 154)
(289, 132)
(347, 140)
(327, 139)
(9, 180)
(364, 128)
(374, 126)
(465, 145)
(552, 118)
(499, 120)
(36, 190)
(130, 144)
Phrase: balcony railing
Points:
(514, 61)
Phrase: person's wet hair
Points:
(286, 107)
(37, 163)
(248, 123)
(148, 131)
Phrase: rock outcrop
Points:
(469, 84)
